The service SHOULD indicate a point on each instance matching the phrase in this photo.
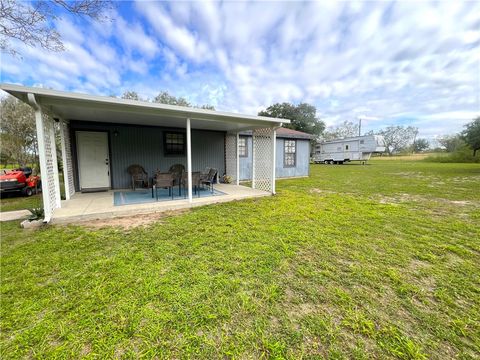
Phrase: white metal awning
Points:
(75, 106)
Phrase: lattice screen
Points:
(263, 162)
(51, 196)
(231, 156)
(68, 154)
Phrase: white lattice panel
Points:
(68, 155)
(231, 156)
(263, 162)
(48, 174)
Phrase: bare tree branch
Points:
(31, 23)
(91, 8)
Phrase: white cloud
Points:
(414, 63)
(134, 38)
(177, 37)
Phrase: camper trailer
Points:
(358, 148)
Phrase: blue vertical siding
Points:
(302, 163)
(246, 162)
(144, 146)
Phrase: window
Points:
(290, 153)
(174, 143)
(362, 141)
(242, 146)
(346, 147)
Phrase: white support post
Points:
(189, 160)
(238, 159)
(64, 160)
(274, 155)
(253, 159)
(56, 179)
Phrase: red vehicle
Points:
(19, 180)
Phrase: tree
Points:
(451, 143)
(420, 145)
(130, 95)
(472, 134)
(32, 22)
(398, 137)
(303, 117)
(18, 133)
(4, 158)
(345, 129)
(165, 98)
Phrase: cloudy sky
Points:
(408, 63)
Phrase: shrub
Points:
(227, 179)
(461, 155)
(37, 214)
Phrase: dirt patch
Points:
(465, 179)
(402, 198)
(303, 309)
(320, 191)
(461, 203)
(129, 222)
(86, 349)
(417, 264)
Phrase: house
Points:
(101, 136)
(292, 149)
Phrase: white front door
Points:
(93, 160)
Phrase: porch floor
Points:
(100, 205)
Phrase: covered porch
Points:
(132, 133)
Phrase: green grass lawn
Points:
(12, 202)
(377, 261)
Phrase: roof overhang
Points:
(76, 106)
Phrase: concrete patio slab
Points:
(91, 206)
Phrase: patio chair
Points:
(209, 179)
(205, 172)
(138, 175)
(195, 182)
(163, 181)
(177, 170)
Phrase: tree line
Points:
(398, 138)
(164, 98)
(304, 118)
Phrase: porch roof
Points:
(76, 106)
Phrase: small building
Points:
(293, 154)
(102, 136)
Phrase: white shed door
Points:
(93, 160)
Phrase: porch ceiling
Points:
(75, 106)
